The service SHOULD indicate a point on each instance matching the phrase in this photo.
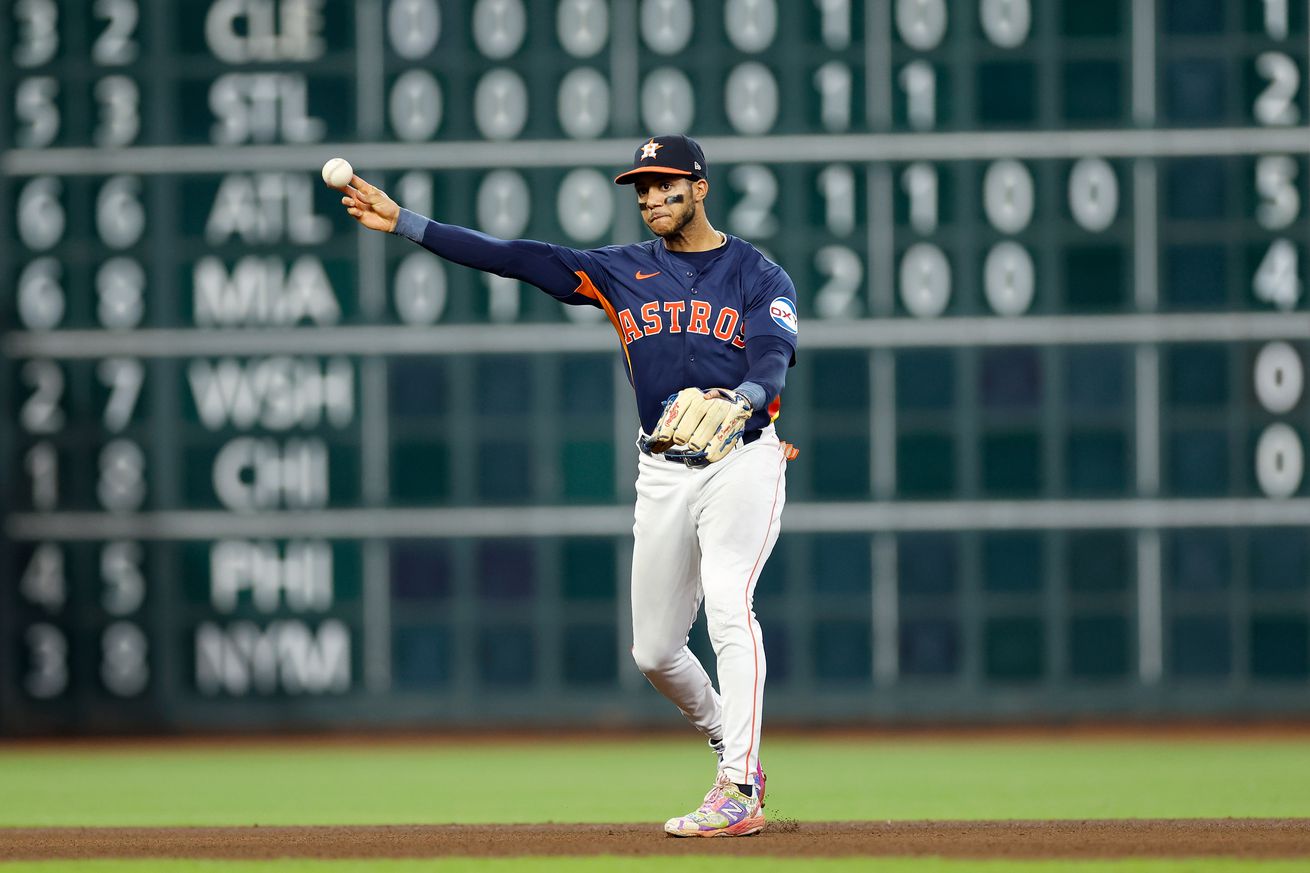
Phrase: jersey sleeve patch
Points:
(783, 312)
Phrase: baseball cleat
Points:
(725, 812)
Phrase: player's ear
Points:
(700, 188)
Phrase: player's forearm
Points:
(526, 260)
(767, 361)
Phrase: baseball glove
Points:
(700, 425)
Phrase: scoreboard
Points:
(262, 468)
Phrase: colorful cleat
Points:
(725, 812)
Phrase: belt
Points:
(747, 438)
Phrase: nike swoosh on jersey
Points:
(640, 275)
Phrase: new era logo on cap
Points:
(673, 155)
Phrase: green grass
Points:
(648, 781)
(686, 864)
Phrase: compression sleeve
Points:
(526, 260)
(767, 359)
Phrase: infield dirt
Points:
(1173, 838)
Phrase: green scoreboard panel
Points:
(261, 468)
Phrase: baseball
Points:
(338, 172)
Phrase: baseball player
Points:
(708, 328)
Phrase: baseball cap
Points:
(674, 155)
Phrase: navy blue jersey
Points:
(682, 322)
(681, 327)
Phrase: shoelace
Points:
(716, 792)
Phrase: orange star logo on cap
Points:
(650, 148)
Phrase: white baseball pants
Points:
(704, 534)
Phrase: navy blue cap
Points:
(673, 155)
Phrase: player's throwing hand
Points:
(370, 206)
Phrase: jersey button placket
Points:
(691, 358)
(686, 334)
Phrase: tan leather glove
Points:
(700, 424)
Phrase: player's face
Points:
(668, 203)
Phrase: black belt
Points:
(747, 438)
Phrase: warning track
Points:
(1162, 838)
